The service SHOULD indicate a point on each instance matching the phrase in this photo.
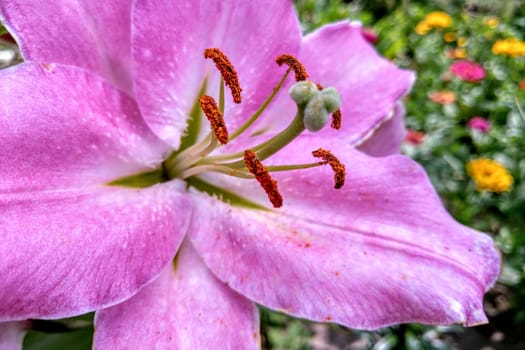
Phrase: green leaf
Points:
(78, 340)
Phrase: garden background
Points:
(466, 126)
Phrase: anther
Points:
(262, 175)
(293, 63)
(337, 116)
(338, 167)
(214, 115)
(228, 72)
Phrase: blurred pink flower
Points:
(468, 71)
(479, 123)
(370, 35)
(414, 137)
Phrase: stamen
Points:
(337, 116)
(338, 167)
(262, 175)
(293, 63)
(228, 72)
(214, 115)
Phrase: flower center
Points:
(314, 104)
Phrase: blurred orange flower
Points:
(457, 53)
(443, 97)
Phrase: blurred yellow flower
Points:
(462, 42)
(449, 37)
(491, 22)
(422, 28)
(438, 19)
(432, 20)
(489, 175)
(509, 47)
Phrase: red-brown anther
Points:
(262, 175)
(319, 87)
(214, 115)
(228, 72)
(337, 116)
(338, 167)
(293, 63)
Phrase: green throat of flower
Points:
(195, 157)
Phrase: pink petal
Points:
(169, 40)
(61, 126)
(67, 252)
(380, 251)
(338, 55)
(12, 335)
(185, 308)
(387, 138)
(91, 34)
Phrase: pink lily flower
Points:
(110, 200)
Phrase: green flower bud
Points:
(302, 92)
(332, 100)
(315, 113)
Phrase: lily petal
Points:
(169, 39)
(379, 251)
(91, 34)
(12, 335)
(387, 138)
(68, 252)
(338, 55)
(72, 130)
(186, 307)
